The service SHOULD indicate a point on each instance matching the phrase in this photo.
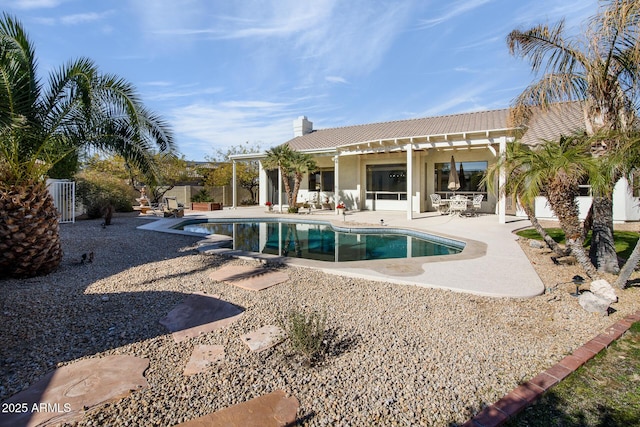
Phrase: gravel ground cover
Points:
(396, 354)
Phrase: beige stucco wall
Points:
(352, 178)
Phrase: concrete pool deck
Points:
(492, 263)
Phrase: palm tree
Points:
(514, 163)
(41, 125)
(601, 71)
(623, 161)
(292, 164)
(554, 169)
(301, 164)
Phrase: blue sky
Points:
(224, 73)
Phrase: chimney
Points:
(302, 126)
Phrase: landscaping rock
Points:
(536, 244)
(66, 393)
(271, 410)
(198, 314)
(203, 358)
(263, 338)
(604, 290)
(593, 303)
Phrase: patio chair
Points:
(438, 204)
(458, 205)
(477, 203)
(172, 208)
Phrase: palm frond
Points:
(546, 46)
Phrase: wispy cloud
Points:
(459, 100)
(74, 19)
(34, 4)
(324, 37)
(452, 11)
(336, 79)
(83, 18)
(165, 91)
(207, 128)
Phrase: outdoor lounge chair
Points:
(172, 208)
(438, 204)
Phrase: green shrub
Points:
(306, 331)
(97, 190)
(202, 196)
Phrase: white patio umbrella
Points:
(454, 181)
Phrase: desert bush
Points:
(306, 331)
(97, 190)
(202, 196)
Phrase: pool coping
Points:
(491, 265)
(472, 248)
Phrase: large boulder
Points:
(593, 303)
(604, 290)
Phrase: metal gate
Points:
(64, 199)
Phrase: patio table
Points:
(448, 203)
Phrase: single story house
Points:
(397, 165)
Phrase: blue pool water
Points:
(320, 241)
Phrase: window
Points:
(635, 184)
(321, 180)
(392, 178)
(470, 175)
(389, 181)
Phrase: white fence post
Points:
(64, 199)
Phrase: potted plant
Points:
(269, 206)
(340, 208)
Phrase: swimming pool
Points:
(321, 241)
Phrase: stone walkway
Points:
(271, 410)
(65, 394)
(74, 389)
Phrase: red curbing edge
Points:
(525, 394)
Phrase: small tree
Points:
(292, 164)
(247, 172)
(554, 169)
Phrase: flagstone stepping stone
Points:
(203, 358)
(198, 314)
(271, 410)
(263, 338)
(66, 393)
(249, 277)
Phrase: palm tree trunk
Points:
(29, 231)
(577, 250)
(296, 187)
(562, 198)
(555, 247)
(287, 187)
(628, 267)
(603, 251)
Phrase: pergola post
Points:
(280, 189)
(336, 179)
(409, 182)
(234, 191)
(502, 180)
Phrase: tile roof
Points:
(562, 119)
